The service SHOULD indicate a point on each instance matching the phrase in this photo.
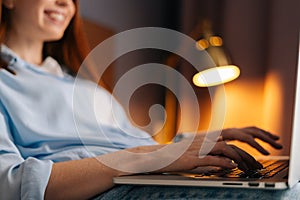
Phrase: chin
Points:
(54, 38)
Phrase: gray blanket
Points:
(168, 192)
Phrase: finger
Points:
(221, 148)
(264, 136)
(238, 134)
(274, 137)
(249, 139)
(257, 146)
(249, 160)
(216, 161)
(248, 135)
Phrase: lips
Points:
(55, 15)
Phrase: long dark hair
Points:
(69, 51)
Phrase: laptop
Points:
(285, 174)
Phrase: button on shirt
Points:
(45, 118)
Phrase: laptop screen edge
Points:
(294, 172)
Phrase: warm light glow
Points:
(256, 102)
(202, 44)
(216, 41)
(216, 75)
(244, 107)
(275, 110)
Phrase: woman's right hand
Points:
(219, 154)
(214, 151)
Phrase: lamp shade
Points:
(223, 71)
(216, 76)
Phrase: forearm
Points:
(79, 179)
(83, 179)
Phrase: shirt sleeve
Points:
(20, 178)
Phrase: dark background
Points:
(260, 35)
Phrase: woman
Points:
(41, 153)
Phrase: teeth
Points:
(57, 16)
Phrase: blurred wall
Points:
(261, 36)
(118, 16)
(122, 15)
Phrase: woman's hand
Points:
(249, 134)
(220, 154)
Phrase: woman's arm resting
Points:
(83, 179)
(79, 179)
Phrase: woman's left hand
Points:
(249, 134)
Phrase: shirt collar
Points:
(49, 65)
(8, 55)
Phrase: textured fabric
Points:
(126, 192)
(45, 118)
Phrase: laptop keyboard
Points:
(270, 168)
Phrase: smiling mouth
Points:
(56, 16)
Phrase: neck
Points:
(29, 50)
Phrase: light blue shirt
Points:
(42, 121)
